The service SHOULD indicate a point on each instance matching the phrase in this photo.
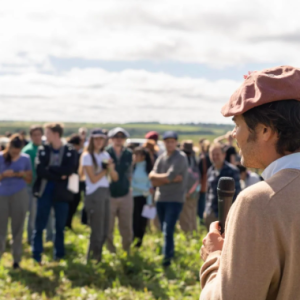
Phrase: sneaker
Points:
(16, 266)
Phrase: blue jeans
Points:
(50, 230)
(168, 214)
(201, 205)
(43, 210)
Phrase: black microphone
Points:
(226, 190)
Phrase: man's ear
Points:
(266, 133)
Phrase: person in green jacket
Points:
(36, 133)
(121, 201)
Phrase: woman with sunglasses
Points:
(15, 174)
(98, 167)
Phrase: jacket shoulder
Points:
(258, 194)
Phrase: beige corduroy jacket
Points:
(260, 259)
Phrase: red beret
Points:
(152, 135)
(261, 87)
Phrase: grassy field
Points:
(118, 277)
(136, 130)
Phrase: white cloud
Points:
(95, 95)
(215, 33)
(218, 33)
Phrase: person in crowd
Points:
(76, 141)
(98, 166)
(83, 133)
(15, 173)
(188, 216)
(258, 259)
(220, 168)
(36, 132)
(23, 135)
(141, 191)
(231, 154)
(153, 150)
(248, 177)
(121, 199)
(54, 164)
(204, 164)
(152, 135)
(169, 175)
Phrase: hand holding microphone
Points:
(214, 240)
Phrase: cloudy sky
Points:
(123, 61)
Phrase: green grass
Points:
(118, 277)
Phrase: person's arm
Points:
(112, 171)
(172, 175)
(94, 178)
(26, 175)
(245, 267)
(220, 139)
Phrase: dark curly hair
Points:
(281, 116)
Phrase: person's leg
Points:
(4, 215)
(42, 216)
(160, 209)
(173, 210)
(32, 214)
(18, 208)
(185, 216)
(135, 217)
(201, 206)
(188, 215)
(113, 212)
(141, 222)
(50, 231)
(61, 213)
(106, 220)
(194, 205)
(125, 220)
(72, 209)
(95, 204)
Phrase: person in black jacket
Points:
(55, 162)
(77, 143)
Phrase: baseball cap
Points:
(112, 133)
(170, 135)
(98, 133)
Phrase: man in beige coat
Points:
(258, 259)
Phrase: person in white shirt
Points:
(98, 167)
(248, 178)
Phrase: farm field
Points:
(136, 130)
(118, 277)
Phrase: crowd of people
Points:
(116, 180)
